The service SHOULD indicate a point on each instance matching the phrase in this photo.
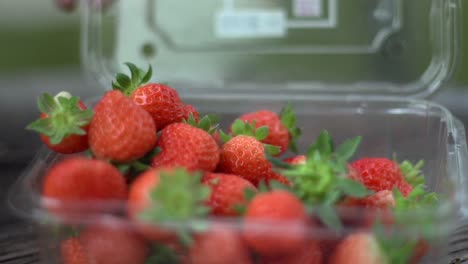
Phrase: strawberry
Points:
(120, 130)
(279, 178)
(218, 245)
(310, 253)
(274, 223)
(283, 132)
(359, 248)
(72, 252)
(63, 123)
(139, 196)
(161, 101)
(299, 159)
(321, 180)
(79, 179)
(245, 156)
(191, 110)
(181, 143)
(370, 208)
(380, 200)
(380, 174)
(116, 245)
(402, 233)
(227, 192)
(161, 196)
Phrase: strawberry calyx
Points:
(179, 196)
(63, 117)
(240, 127)
(321, 182)
(412, 173)
(416, 212)
(127, 84)
(289, 120)
(208, 123)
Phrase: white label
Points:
(250, 23)
(307, 8)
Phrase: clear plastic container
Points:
(356, 68)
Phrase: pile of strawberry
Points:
(141, 146)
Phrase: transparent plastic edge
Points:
(90, 47)
(438, 74)
(462, 168)
(450, 50)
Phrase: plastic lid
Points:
(277, 47)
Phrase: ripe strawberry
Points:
(245, 156)
(139, 195)
(181, 143)
(63, 123)
(319, 178)
(161, 101)
(370, 208)
(218, 245)
(227, 192)
(380, 174)
(72, 252)
(359, 248)
(80, 179)
(299, 159)
(274, 223)
(379, 200)
(116, 245)
(121, 130)
(282, 129)
(191, 110)
(279, 178)
(310, 253)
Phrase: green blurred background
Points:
(36, 35)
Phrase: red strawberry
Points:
(299, 159)
(309, 254)
(359, 248)
(217, 138)
(191, 110)
(63, 123)
(279, 178)
(421, 249)
(113, 245)
(72, 252)
(139, 194)
(219, 245)
(121, 130)
(379, 200)
(80, 179)
(181, 143)
(282, 129)
(245, 156)
(187, 159)
(227, 191)
(278, 134)
(162, 102)
(159, 100)
(274, 223)
(380, 174)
